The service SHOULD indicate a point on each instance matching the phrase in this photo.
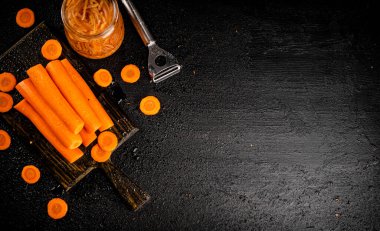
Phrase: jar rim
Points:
(106, 31)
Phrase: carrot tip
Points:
(5, 140)
(150, 105)
(57, 208)
(30, 174)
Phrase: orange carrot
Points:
(71, 155)
(87, 137)
(99, 155)
(130, 73)
(150, 105)
(6, 102)
(51, 50)
(53, 97)
(5, 140)
(7, 82)
(30, 174)
(29, 92)
(73, 95)
(25, 18)
(92, 100)
(107, 141)
(103, 77)
(57, 208)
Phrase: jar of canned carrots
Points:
(94, 28)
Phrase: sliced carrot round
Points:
(107, 141)
(51, 50)
(31, 174)
(6, 102)
(130, 73)
(7, 82)
(99, 155)
(150, 105)
(57, 208)
(103, 77)
(5, 140)
(25, 18)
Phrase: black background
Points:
(272, 125)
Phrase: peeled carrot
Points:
(25, 18)
(73, 95)
(71, 155)
(150, 105)
(107, 141)
(87, 137)
(57, 208)
(29, 92)
(53, 97)
(92, 100)
(51, 50)
(130, 73)
(5, 140)
(99, 155)
(30, 174)
(7, 82)
(103, 77)
(6, 102)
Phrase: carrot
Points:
(30, 174)
(87, 137)
(5, 140)
(71, 155)
(92, 100)
(7, 82)
(51, 50)
(25, 18)
(29, 92)
(99, 155)
(6, 102)
(73, 95)
(57, 208)
(150, 105)
(130, 73)
(103, 78)
(107, 141)
(53, 97)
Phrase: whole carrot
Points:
(73, 95)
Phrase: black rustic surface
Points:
(274, 123)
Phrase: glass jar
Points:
(94, 28)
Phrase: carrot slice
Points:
(150, 105)
(87, 137)
(30, 174)
(99, 155)
(57, 208)
(5, 140)
(92, 100)
(29, 92)
(73, 95)
(25, 18)
(6, 102)
(107, 141)
(130, 73)
(51, 50)
(71, 155)
(103, 78)
(53, 97)
(7, 82)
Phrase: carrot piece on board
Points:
(30, 174)
(87, 137)
(51, 50)
(25, 18)
(150, 105)
(73, 95)
(99, 155)
(92, 100)
(107, 141)
(29, 92)
(71, 155)
(7, 82)
(5, 140)
(53, 97)
(130, 73)
(57, 208)
(6, 102)
(103, 77)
